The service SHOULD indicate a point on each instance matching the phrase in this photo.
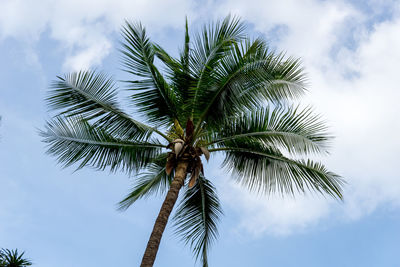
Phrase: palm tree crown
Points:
(225, 93)
(11, 258)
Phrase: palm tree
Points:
(226, 93)
(11, 258)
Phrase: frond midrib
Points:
(287, 160)
(261, 133)
(113, 110)
(105, 143)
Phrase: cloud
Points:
(351, 58)
(275, 215)
(353, 74)
(368, 118)
(83, 28)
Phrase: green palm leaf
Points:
(265, 169)
(11, 258)
(197, 216)
(181, 81)
(248, 76)
(295, 130)
(153, 96)
(153, 181)
(208, 50)
(74, 140)
(93, 96)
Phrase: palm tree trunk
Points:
(162, 219)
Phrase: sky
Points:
(350, 51)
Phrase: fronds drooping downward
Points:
(197, 216)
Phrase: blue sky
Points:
(65, 218)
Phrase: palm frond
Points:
(295, 130)
(180, 80)
(185, 55)
(73, 140)
(13, 258)
(153, 181)
(248, 76)
(93, 96)
(197, 216)
(263, 168)
(152, 95)
(185, 81)
(180, 77)
(209, 48)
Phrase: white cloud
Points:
(312, 26)
(356, 89)
(352, 70)
(275, 215)
(368, 118)
(83, 28)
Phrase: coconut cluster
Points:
(182, 149)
